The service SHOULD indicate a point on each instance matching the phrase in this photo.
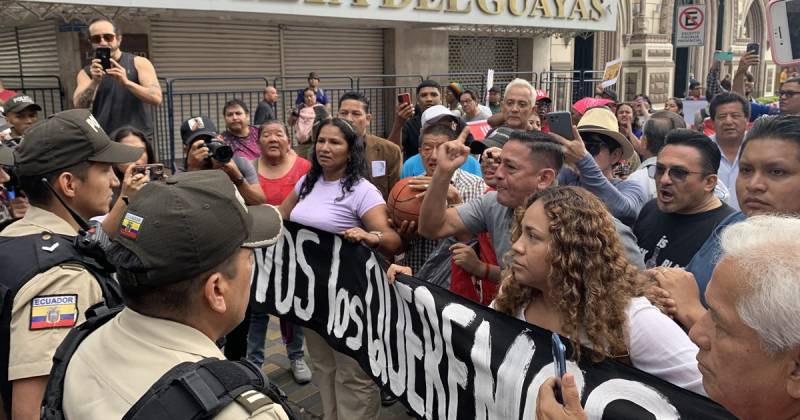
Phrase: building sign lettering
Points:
(569, 15)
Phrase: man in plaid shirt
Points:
(463, 187)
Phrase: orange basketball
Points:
(403, 202)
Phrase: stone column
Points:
(649, 65)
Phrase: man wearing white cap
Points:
(439, 115)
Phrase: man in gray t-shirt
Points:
(529, 162)
(487, 215)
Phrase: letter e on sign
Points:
(691, 18)
(690, 30)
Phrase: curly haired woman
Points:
(567, 272)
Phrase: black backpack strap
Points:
(200, 390)
(53, 395)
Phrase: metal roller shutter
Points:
(39, 63)
(337, 55)
(225, 50)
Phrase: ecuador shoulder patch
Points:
(53, 311)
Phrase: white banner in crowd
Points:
(690, 108)
(489, 84)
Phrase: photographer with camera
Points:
(51, 270)
(205, 149)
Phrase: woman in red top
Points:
(279, 168)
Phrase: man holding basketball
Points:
(463, 187)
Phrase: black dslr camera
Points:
(218, 150)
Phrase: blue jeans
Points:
(257, 335)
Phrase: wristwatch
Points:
(379, 234)
(239, 180)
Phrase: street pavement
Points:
(304, 399)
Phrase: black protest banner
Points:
(444, 356)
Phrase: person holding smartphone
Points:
(789, 92)
(595, 150)
(130, 181)
(117, 93)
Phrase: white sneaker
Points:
(300, 371)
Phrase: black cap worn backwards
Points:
(189, 224)
(65, 139)
(195, 127)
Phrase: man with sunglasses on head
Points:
(117, 95)
(672, 227)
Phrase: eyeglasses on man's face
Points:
(675, 173)
(96, 39)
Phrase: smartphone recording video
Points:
(559, 363)
(104, 55)
(561, 124)
(784, 31)
(404, 98)
(154, 171)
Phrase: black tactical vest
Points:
(21, 259)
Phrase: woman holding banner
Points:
(335, 197)
(567, 272)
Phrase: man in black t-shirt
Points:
(428, 95)
(117, 95)
(673, 226)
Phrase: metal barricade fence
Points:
(590, 79)
(503, 78)
(289, 87)
(560, 86)
(202, 95)
(185, 97)
(47, 91)
(382, 91)
(475, 81)
(163, 144)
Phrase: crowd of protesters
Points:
(671, 247)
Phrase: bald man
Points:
(267, 108)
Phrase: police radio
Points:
(92, 240)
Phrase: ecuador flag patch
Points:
(130, 226)
(54, 311)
